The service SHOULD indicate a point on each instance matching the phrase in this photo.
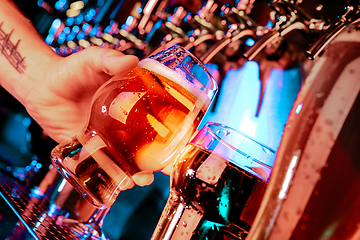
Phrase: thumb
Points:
(111, 62)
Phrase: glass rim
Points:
(214, 88)
(208, 125)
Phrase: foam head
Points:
(177, 77)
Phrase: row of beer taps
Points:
(226, 35)
(224, 32)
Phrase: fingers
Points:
(111, 62)
(115, 64)
(88, 69)
(143, 178)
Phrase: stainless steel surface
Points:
(34, 214)
(351, 16)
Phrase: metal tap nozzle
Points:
(351, 16)
(289, 17)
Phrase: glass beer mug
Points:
(217, 184)
(138, 123)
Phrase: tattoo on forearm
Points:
(9, 51)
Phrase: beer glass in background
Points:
(216, 186)
(138, 123)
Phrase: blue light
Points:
(19, 117)
(61, 38)
(76, 29)
(88, 17)
(26, 122)
(187, 17)
(249, 42)
(66, 30)
(92, 12)
(156, 26)
(85, 27)
(139, 10)
(56, 23)
(269, 24)
(60, 4)
(81, 35)
(79, 19)
(53, 210)
(40, 3)
(93, 32)
(298, 108)
(69, 21)
(224, 203)
(107, 29)
(71, 37)
(129, 20)
(49, 39)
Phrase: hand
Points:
(60, 98)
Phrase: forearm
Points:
(23, 52)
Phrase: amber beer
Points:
(140, 123)
(211, 197)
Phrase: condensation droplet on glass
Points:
(103, 109)
(318, 129)
(328, 121)
(184, 224)
(319, 95)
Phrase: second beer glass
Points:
(138, 123)
(217, 184)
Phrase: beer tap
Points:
(351, 16)
(240, 28)
(287, 17)
(204, 29)
(187, 29)
(169, 32)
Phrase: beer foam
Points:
(177, 77)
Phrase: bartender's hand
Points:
(55, 91)
(60, 102)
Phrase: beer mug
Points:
(138, 123)
(216, 186)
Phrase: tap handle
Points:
(289, 11)
(290, 17)
(351, 16)
(260, 44)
